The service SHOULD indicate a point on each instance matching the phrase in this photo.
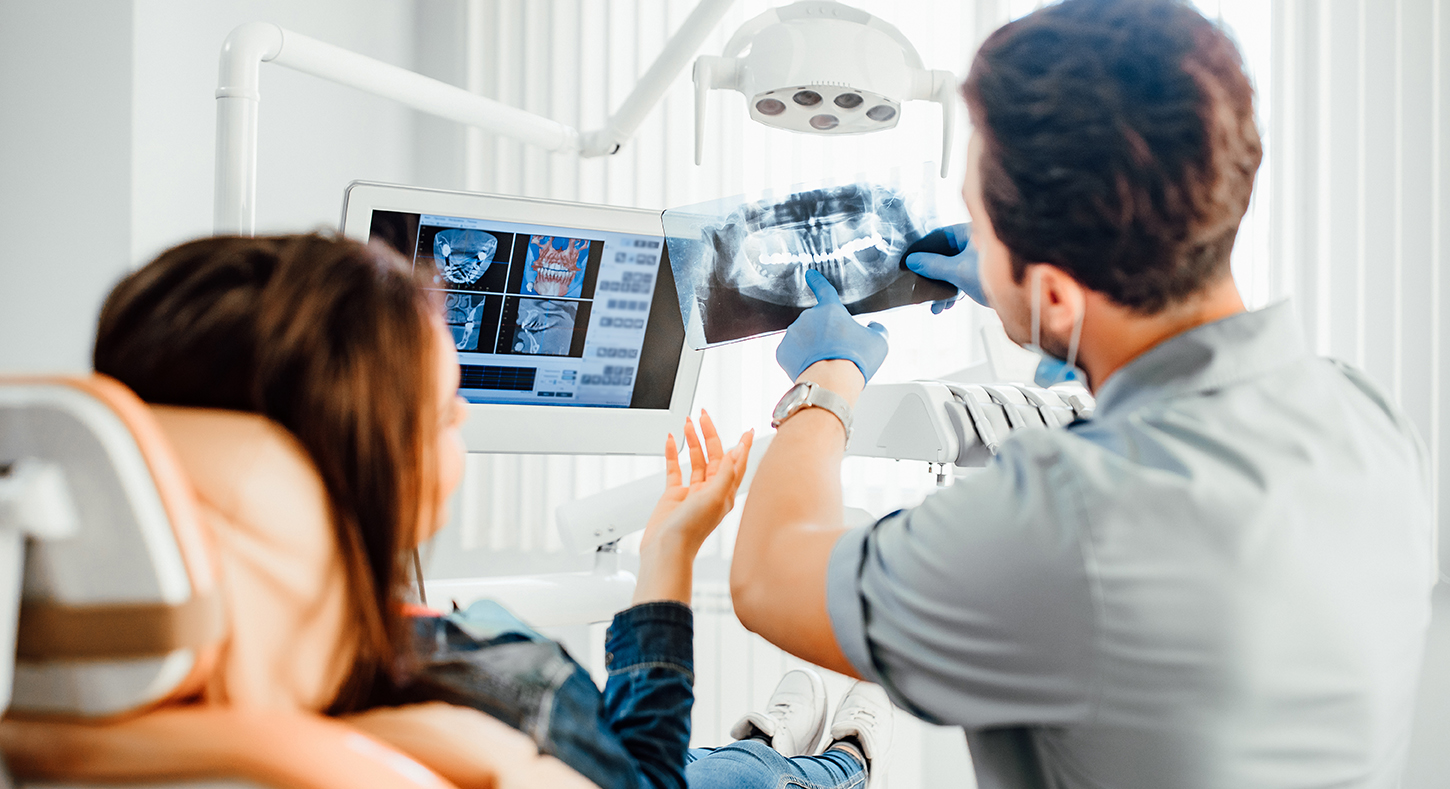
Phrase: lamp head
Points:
(821, 67)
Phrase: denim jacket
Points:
(634, 734)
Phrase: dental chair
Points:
(150, 644)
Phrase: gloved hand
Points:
(957, 267)
(827, 331)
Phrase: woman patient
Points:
(339, 345)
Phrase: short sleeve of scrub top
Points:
(976, 607)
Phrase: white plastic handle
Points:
(946, 95)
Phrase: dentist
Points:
(1223, 578)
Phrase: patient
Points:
(336, 348)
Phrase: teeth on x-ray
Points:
(853, 235)
(545, 327)
(463, 255)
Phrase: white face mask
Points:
(1052, 370)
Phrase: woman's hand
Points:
(688, 511)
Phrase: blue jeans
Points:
(753, 764)
(634, 735)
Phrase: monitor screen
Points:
(548, 315)
(555, 309)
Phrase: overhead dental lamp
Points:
(821, 67)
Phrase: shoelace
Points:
(861, 714)
(782, 709)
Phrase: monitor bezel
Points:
(532, 429)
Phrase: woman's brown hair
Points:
(330, 339)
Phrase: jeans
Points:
(634, 735)
(753, 764)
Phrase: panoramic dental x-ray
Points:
(742, 274)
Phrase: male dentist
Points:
(1222, 579)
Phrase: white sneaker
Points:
(794, 718)
(865, 713)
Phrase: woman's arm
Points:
(649, 651)
(467, 747)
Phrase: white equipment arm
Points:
(945, 422)
(255, 43)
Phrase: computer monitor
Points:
(565, 315)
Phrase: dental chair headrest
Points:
(204, 567)
(125, 613)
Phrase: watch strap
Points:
(817, 396)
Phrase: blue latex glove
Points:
(827, 331)
(959, 267)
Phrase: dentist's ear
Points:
(1064, 299)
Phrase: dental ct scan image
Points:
(545, 327)
(520, 302)
(469, 316)
(463, 256)
(740, 266)
(555, 267)
(466, 259)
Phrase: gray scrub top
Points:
(1221, 580)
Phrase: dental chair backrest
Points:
(193, 623)
(123, 614)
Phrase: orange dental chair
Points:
(175, 607)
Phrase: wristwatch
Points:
(811, 395)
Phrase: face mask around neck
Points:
(1053, 370)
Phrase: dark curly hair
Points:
(1120, 145)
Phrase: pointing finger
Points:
(822, 287)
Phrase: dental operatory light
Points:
(822, 67)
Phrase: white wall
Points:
(1362, 167)
(65, 175)
(107, 122)
(314, 137)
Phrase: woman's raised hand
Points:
(689, 510)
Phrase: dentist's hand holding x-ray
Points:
(827, 331)
(961, 269)
(958, 268)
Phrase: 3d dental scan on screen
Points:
(557, 310)
(740, 266)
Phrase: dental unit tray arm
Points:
(947, 423)
(252, 44)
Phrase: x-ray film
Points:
(740, 266)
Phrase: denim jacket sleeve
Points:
(633, 736)
(649, 652)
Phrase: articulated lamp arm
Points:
(255, 43)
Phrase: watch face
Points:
(792, 399)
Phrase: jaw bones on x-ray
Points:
(462, 256)
(545, 327)
(852, 235)
(744, 274)
(469, 316)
